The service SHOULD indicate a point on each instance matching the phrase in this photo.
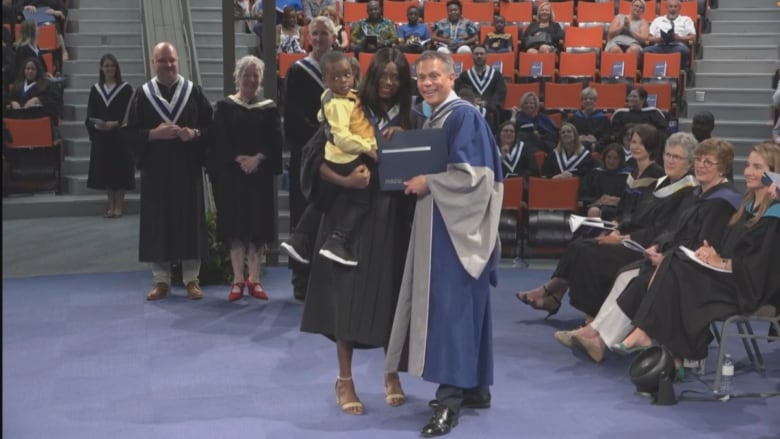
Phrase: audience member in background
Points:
(58, 10)
(499, 41)
(35, 94)
(257, 13)
(9, 63)
(355, 306)
(637, 112)
(303, 87)
(628, 33)
(624, 138)
(529, 120)
(589, 266)
(166, 136)
(486, 82)
(517, 156)
(414, 36)
(601, 188)
(702, 217)
(289, 36)
(569, 158)
(27, 45)
(248, 142)
(455, 34)
(488, 112)
(671, 33)
(110, 161)
(677, 310)
(702, 125)
(342, 37)
(592, 124)
(544, 34)
(373, 33)
(313, 8)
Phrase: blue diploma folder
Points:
(411, 153)
(40, 16)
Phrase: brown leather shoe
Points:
(193, 291)
(159, 291)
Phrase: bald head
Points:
(165, 63)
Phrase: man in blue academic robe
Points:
(444, 303)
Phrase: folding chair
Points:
(577, 67)
(650, 9)
(595, 15)
(535, 67)
(506, 61)
(463, 62)
(520, 13)
(564, 13)
(516, 91)
(562, 98)
(354, 12)
(664, 67)
(435, 11)
(32, 138)
(511, 225)
(766, 313)
(550, 203)
(610, 96)
(396, 11)
(365, 60)
(476, 12)
(286, 60)
(662, 92)
(619, 67)
(583, 39)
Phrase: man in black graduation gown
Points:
(167, 118)
(487, 83)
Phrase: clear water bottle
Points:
(727, 377)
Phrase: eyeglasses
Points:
(707, 163)
(674, 157)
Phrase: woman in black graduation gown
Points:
(110, 161)
(517, 155)
(355, 306)
(589, 266)
(248, 142)
(570, 158)
(601, 188)
(735, 278)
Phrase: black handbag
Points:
(536, 41)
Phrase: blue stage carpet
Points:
(85, 356)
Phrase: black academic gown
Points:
(591, 268)
(246, 209)
(600, 181)
(579, 163)
(595, 124)
(520, 161)
(685, 296)
(490, 86)
(46, 92)
(623, 116)
(173, 221)
(110, 161)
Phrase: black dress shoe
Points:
(467, 403)
(441, 423)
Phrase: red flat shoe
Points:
(235, 295)
(256, 290)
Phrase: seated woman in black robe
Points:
(34, 96)
(589, 266)
(528, 119)
(736, 277)
(703, 216)
(637, 112)
(517, 155)
(592, 124)
(601, 188)
(569, 158)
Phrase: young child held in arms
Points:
(351, 139)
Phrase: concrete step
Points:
(49, 205)
(733, 95)
(104, 14)
(202, 4)
(742, 129)
(740, 39)
(734, 26)
(76, 66)
(737, 66)
(214, 38)
(215, 51)
(75, 96)
(732, 111)
(74, 112)
(210, 65)
(765, 51)
(744, 13)
(96, 52)
(76, 146)
(76, 184)
(84, 38)
(86, 80)
(731, 4)
(75, 165)
(120, 25)
(726, 80)
(73, 128)
(211, 80)
(95, 4)
(200, 13)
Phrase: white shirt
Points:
(683, 26)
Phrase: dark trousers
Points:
(452, 397)
(357, 200)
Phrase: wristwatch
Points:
(197, 133)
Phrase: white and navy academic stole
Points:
(687, 181)
(313, 69)
(380, 124)
(27, 87)
(513, 158)
(168, 111)
(440, 115)
(250, 105)
(566, 163)
(481, 84)
(108, 94)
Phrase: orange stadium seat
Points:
(516, 91)
(595, 15)
(662, 92)
(564, 12)
(619, 67)
(562, 97)
(579, 67)
(610, 96)
(477, 12)
(354, 12)
(286, 60)
(528, 62)
(506, 61)
(520, 13)
(583, 39)
(435, 11)
(396, 11)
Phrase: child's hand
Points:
(373, 155)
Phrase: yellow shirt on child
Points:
(353, 133)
